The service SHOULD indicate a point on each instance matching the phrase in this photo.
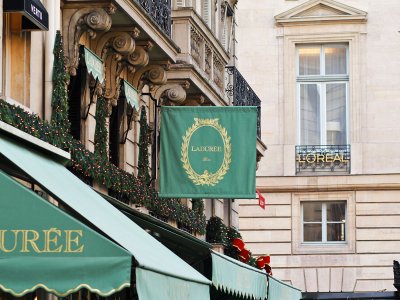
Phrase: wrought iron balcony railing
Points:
(160, 12)
(240, 93)
(322, 158)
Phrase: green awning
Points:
(238, 279)
(94, 64)
(132, 96)
(152, 256)
(43, 247)
(278, 290)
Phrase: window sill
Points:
(316, 248)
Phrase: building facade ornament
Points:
(321, 11)
(172, 93)
(78, 21)
(115, 48)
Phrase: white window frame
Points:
(321, 81)
(300, 247)
(324, 223)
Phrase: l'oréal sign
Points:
(322, 158)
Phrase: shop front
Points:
(42, 246)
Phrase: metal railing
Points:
(322, 158)
(160, 12)
(240, 93)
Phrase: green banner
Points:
(94, 64)
(208, 152)
(131, 95)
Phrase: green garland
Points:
(95, 165)
(59, 101)
(101, 132)
(143, 161)
(229, 249)
(218, 232)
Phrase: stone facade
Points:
(371, 189)
(173, 52)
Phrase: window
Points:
(17, 51)
(115, 131)
(324, 222)
(322, 89)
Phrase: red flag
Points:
(261, 199)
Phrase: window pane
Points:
(312, 212)
(335, 60)
(310, 114)
(336, 114)
(336, 232)
(336, 212)
(309, 60)
(312, 232)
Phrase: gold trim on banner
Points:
(206, 178)
(55, 292)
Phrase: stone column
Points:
(53, 8)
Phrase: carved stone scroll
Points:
(89, 19)
(174, 93)
(115, 48)
(154, 75)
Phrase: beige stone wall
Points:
(363, 264)
(264, 60)
(266, 52)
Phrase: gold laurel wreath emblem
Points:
(206, 178)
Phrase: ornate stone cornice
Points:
(78, 21)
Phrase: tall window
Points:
(17, 46)
(115, 131)
(324, 222)
(322, 88)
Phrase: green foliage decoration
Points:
(101, 132)
(143, 161)
(218, 232)
(93, 166)
(231, 251)
(59, 101)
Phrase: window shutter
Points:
(180, 3)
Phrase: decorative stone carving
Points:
(140, 57)
(173, 92)
(195, 100)
(89, 19)
(153, 75)
(96, 89)
(117, 43)
(115, 48)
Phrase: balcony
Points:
(200, 48)
(240, 93)
(160, 12)
(322, 158)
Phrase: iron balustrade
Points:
(240, 93)
(322, 158)
(160, 12)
